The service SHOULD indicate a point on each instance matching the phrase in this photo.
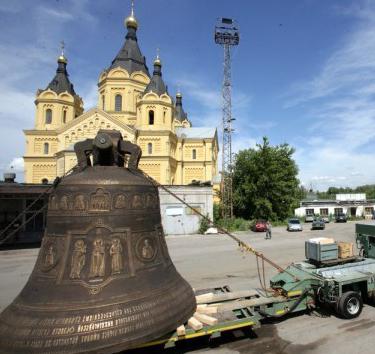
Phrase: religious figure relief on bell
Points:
(53, 203)
(100, 201)
(120, 202)
(137, 201)
(97, 268)
(50, 257)
(79, 202)
(64, 203)
(146, 250)
(78, 259)
(151, 201)
(116, 253)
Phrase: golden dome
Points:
(131, 21)
(62, 59)
(157, 61)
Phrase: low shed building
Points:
(353, 205)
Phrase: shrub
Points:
(203, 225)
(234, 224)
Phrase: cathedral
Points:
(129, 100)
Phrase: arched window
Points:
(151, 117)
(194, 154)
(64, 116)
(45, 180)
(149, 148)
(46, 148)
(48, 116)
(164, 116)
(118, 103)
(103, 101)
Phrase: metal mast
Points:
(227, 35)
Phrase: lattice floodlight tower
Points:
(227, 34)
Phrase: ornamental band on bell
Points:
(101, 201)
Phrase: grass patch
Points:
(235, 224)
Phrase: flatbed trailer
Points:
(344, 284)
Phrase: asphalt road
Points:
(214, 260)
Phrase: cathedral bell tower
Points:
(121, 85)
(155, 106)
(58, 104)
(155, 128)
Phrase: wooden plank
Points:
(205, 319)
(208, 310)
(201, 306)
(181, 331)
(195, 324)
(203, 298)
(233, 305)
(211, 297)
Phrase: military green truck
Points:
(324, 279)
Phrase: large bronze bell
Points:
(103, 281)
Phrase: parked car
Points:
(260, 226)
(294, 225)
(326, 219)
(309, 218)
(318, 223)
(341, 217)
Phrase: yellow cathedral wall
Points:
(171, 160)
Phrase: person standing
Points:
(268, 231)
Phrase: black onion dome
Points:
(157, 84)
(130, 56)
(60, 83)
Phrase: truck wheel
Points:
(350, 305)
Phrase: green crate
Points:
(321, 252)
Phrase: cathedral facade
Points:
(129, 100)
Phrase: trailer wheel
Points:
(350, 305)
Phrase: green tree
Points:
(265, 183)
(368, 189)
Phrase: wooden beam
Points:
(205, 319)
(211, 297)
(208, 310)
(181, 331)
(195, 324)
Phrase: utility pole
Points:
(227, 35)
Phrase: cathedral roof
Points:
(157, 84)
(130, 57)
(180, 114)
(196, 133)
(60, 83)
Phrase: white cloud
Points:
(16, 164)
(209, 105)
(57, 14)
(90, 95)
(28, 65)
(341, 102)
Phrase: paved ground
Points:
(209, 261)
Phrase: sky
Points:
(303, 72)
